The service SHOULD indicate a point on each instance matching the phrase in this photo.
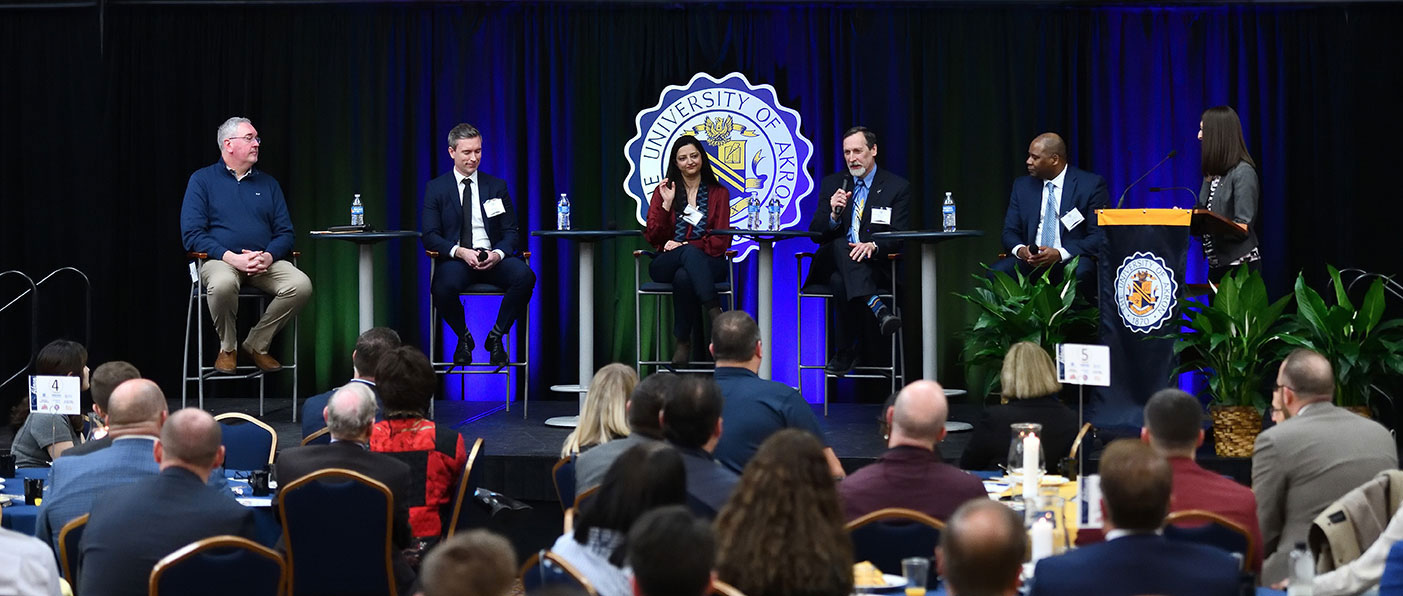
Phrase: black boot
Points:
(464, 352)
(887, 320)
(497, 355)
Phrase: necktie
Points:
(859, 201)
(465, 239)
(1049, 232)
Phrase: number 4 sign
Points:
(54, 395)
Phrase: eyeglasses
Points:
(248, 138)
(1280, 386)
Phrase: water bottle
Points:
(357, 212)
(1302, 572)
(754, 210)
(562, 212)
(947, 211)
(774, 214)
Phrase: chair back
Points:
(320, 437)
(256, 570)
(545, 568)
(249, 444)
(887, 536)
(68, 538)
(1206, 527)
(469, 516)
(563, 475)
(343, 516)
(720, 588)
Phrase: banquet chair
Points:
(468, 483)
(1205, 527)
(249, 444)
(720, 588)
(256, 569)
(361, 510)
(574, 510)
(894, 371)
(545, 568)
(563, 476)
(521, 331)
(886, 536)
(658, 290)
(68, 538)
(321, 437)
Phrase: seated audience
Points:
(1030, 394)
(692, 424)
(1391, 584)
(782, 532)
(1313, 457)
(134, 526)
(138, 410)
(1376, 563)
(642, 410)
(43, 437)
(643, 478)
(364, 359)
(602, 415)
(1135, 559)
(652, 553)
(755, 408)
(982, 549)
(435, 454)
(27, 566)
(105, 379)
(471, 563)
(911, 473)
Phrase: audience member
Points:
(755, 408)
(982, 549)
(782, 531)
(911, 474)
(643, 478)
(471, 563)
(691, 421)
(364, 359)
(602, 416)
(1316, 455)
(642, 410)
(43, 437)
(1030, 394)
(652, 553)
(27, 566)
(1373, 565)
(407, 383)
(1135, 559)
(138, 410)
(123, 540)
(1174, 427)
(105, 379)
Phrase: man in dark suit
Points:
(691, 419)
(855, 204)
(1135, 559)
(364, 358)
(470, 222)
(1052, 214)
(134, 526)
(982, 549)
(105, 380)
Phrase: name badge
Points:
(881, 215)
(1072, 219)
(692, 216)
(493, 207)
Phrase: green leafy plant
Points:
(1227, 338)
(1019, 308)
(1361, 345)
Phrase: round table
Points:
(766, 240)
(928, 240)
(367, 265)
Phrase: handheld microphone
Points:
(1169, 188)
(847, 184)
(1172, 153)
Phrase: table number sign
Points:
(54, 395)
(1084, 364)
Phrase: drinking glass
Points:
(915, 570)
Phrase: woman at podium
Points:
(1229, 189)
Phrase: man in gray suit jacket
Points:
(643, 425)
(1313, 457)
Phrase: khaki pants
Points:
(290, 287)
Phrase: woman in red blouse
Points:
(687, 204)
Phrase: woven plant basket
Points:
(1235, 429)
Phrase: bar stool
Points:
(895, 370)
(658, 290)
(523, 333)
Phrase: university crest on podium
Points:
(1145, 292)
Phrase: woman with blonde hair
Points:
(781, 534)
(602, 416)
(1030, 394)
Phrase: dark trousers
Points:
(1086, 273)
(453, 276)
(693, 275)
(852, 283)
(1216, 274)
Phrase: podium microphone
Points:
(1172, 153)
(1183, 188)
(847, 184)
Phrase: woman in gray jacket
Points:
(1229, 189)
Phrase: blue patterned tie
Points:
(859, 200)
(1049, 232)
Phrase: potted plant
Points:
(1225, 340)
(1019, 308)
(1362, 346)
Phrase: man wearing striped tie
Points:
(854, 205)
(1052, 215)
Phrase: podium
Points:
(1141, 273)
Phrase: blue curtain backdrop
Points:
(108, 108)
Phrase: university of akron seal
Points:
(1145, 292)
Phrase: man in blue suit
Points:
(364, 358)
(470, 222)
(1135, 558)
(135, 412)
(1052, 214)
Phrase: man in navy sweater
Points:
(237, 216)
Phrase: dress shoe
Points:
(681, 354)
(843, 362)
(226, 362)
(497, 355)
(463, 354)
(889, 324)
(264, 362)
